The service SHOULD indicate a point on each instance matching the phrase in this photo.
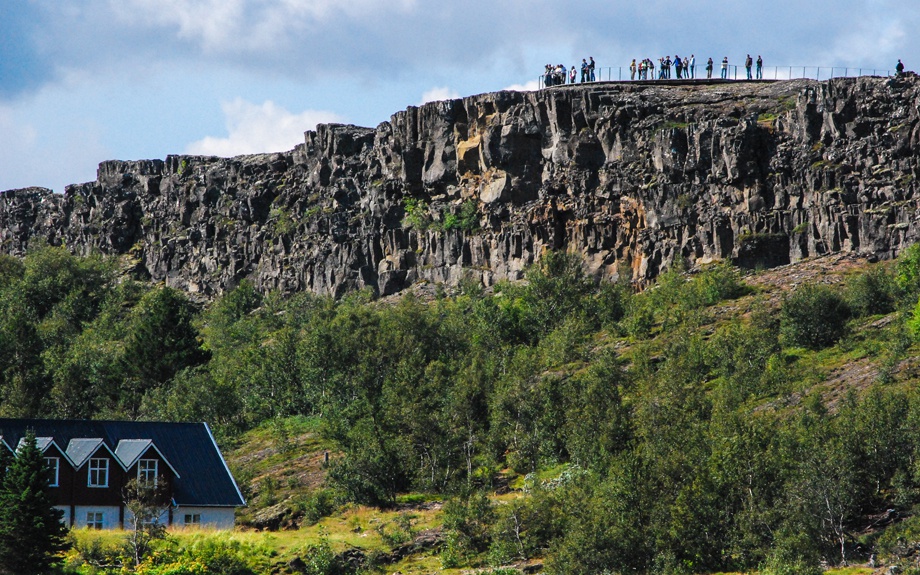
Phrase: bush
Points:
(319, 504)
(716, 283)
(815, 316)
(907, 272)
(873, 292)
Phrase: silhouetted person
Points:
(899, 68)
(747, 65)
(759, 67)
(709, 69)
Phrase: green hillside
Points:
(712, 423)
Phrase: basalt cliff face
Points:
(630, 176)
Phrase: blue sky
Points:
(82, 81)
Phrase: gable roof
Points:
(202, 476)
(44, 444)
(80, 449)
(130, 450)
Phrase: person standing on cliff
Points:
(709, 69)
(584, 70)
(748, 62)
(759, 67)
(899, 68)
(678, 66)
(692, 66)
(591, 67)
(724, 67)
(572, 75)
(632, 70)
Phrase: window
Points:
(54, 464)
(147, 472)
(94, 520)
(193, 518)
(98, 473)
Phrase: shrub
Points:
(319, 504)
(417, 214)
(815, 316)
(873, 292)
(716, 283)
(907, 272)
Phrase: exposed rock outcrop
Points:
(631, 176)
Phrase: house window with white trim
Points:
(94, 520)
(147, 472)
(193, 518)
(98, 473)
(54, 465)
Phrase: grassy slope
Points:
(853, 363)
(280, 465)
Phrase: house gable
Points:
(131, 451)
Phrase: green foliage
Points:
(466, 219)
(417, 213)
(467, 523)
(872, 292)
(206, 555)
(147, 503)
(31, 530)
(660, 431)
(907, 272)
(283, 222)
(320, 559)
(814, 316)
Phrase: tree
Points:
(32, 534)
(147, 502)
(815, 316)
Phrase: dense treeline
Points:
(677, 430)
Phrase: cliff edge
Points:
(630, 176)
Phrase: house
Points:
(92, 461)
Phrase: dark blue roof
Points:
(204, 478)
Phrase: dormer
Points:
(54, 457)
(143, 460)
(96, 455)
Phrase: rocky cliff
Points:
(630, 176)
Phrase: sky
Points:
(84, 81)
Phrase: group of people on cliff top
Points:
(685, 69)
(557, 75)
(644, 69)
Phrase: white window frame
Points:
(54, 464)
(100, 467)
(144, 475)
(193, 519)
(95, 520)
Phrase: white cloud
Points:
(258, 128)
(525, 87)
(436, 94)
(233, 26)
